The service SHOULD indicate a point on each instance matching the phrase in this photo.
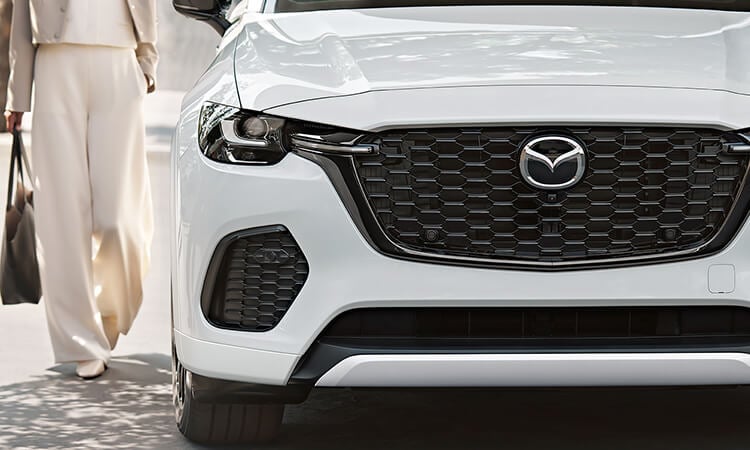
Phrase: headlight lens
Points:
(231, 135)
(236, 136)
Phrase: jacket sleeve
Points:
(148, 58)
(146, 52)
(21, 58)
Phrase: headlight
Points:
(236, 136)
(231, 135)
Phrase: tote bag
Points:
(19, 279)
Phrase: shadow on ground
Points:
(643, 419)
(129, 407)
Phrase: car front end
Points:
(464, 196)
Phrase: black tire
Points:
(220, 423)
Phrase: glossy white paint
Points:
(566, 370)
(216, 84)
(346, 272)
(233, 363)
(283, 58)
(630, 62)
(526, 105)
(721, 279)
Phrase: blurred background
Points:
(186, 47)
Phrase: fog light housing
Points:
(253, 278)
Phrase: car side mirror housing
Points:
(210, 11)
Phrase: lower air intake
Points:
(254, 277)
(547, 328)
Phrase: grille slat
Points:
(643, 183)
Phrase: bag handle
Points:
(23, 156)
(11, 174)
(16, 167)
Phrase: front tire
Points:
(220, 423)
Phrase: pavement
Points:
(43, 405)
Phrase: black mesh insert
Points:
(547, 327)
(459, 192)
(258, 274)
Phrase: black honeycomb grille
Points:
(258, 275)
(459, 192)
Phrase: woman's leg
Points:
(63, 203)
(122, 215)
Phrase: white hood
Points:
(287, 58)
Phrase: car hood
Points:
(287, 58)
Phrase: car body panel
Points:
(347, 273)
(536, 105)
(217, 84)
(285, 58)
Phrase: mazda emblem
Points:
(552, 162)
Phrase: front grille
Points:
(254, 277)
(549, 328)
(646, 192)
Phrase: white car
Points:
(416, 193)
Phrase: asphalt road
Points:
(46, 406)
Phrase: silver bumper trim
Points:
(540, 370)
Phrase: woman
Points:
(90, 62)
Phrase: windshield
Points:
(313, 5)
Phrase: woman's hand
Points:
(13, 120)
(150, 84)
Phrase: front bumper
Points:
(213, 200)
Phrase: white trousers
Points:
(92, 193)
